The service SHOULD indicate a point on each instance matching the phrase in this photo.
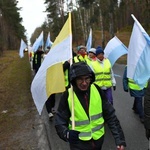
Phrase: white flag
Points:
(23, 45)
(38, 42)
(114, 50)
(50, 76)
(89, 41)
(48, 41)
(138, 66)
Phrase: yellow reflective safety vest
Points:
(66, 78)
(132, 85)
(35, 55)
(89, 61)
(91, 127)
(80, 58)
(102, 73)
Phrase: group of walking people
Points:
(87, 103)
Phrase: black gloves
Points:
(147, 133)
(114, 88)
(72, 136)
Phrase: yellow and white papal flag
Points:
(50, 77)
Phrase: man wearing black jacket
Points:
(37, 59)
(91, 111)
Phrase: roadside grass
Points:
(16, 104)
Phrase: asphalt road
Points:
(133, 129)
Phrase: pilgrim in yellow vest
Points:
(91, 127)
(102, 73)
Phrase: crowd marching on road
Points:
(89, 83)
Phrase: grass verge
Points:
(17, 108)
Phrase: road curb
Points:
(43, 131)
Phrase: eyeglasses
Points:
(82, 79)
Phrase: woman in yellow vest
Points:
(91, 111)
(136, 92)
(104, 76)
(91, 56)
(81, 54)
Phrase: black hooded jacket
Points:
(63, 114)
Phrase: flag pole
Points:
(138, 23)
(72, 92)
(72, 103)
(73, 122)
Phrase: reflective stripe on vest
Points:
(102, 73)
(79, 58)
(35, 58)
(66, 78)
(132, 85)
(92, 126)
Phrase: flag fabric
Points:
(50, 76)
(114, 50)
(48, 41)
(23, 45)
(138, 67)
(38, 42)
(89, 41)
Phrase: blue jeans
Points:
(139, 106)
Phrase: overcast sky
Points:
(32, 14)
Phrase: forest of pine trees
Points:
(106, 16)
(11, 29)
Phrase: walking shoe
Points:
(50, 115)
(135, 111)
(142, 120)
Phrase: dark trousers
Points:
(108, 94)
(87, 145)
(50, 103)
(139, 106)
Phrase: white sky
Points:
(33, 14)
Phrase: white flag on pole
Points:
(114, 50)
(23, 45)
(138, 67)
(50, 76)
